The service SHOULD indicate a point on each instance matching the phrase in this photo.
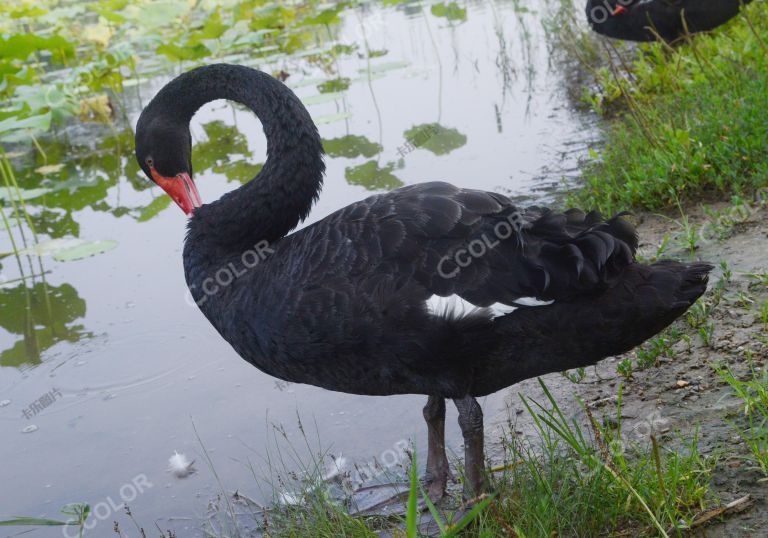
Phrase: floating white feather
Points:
(180, 465)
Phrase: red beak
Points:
(620, 10)
(181, 189)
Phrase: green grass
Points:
(753, 392)
(694, 121)
(657, 347)
(571, 481)
(565, 481)
(77, 516)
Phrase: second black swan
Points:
(349, 302)
(649, 20)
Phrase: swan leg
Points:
(436, 477)
(471, 423)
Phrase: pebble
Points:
(29, 429)
(3, 403)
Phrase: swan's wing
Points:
(444, 241)
(343, 303)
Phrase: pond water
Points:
(124, 370)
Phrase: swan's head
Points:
(164, 152)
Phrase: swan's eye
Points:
(150, 162)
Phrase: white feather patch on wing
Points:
(532, 301)
(451, 306)
(455, 306)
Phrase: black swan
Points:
(347, 303)
(642, 20)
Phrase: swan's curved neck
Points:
(282, 194)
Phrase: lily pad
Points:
(351, 146)
(387, 66)
(334, 85)
(332, 118)
(39, 123)
(373, 177)
(157, 14)
(322, 98)
(435, 138)
(241, 171)
(7, 194)
(65, 250)
(21, 46)
(310, 81)
(154, 208)
(451, 11)
(223, 143)
(86, 250)
(325, 17)
(53, 313)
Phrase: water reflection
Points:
(351, 146)
(339, 84)
(225, 151)
(451, 11)
(372, 176)
(435, 138)
(83, 180)
(42, 315)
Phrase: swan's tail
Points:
(640, 303)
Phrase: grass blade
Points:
(412, 513)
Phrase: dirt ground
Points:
(683, 392)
